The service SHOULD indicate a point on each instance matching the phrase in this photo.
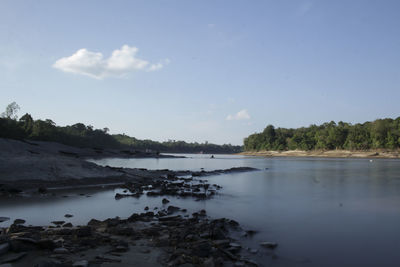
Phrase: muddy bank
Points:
(49, 161)
(134, 179)
(326, 154)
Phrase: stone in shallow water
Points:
(4, 248)
(13, 257)
(270, 245)
(61, 251)
(82, 263)
(58, 222)
(4, 219)
(19, 221)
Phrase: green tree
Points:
(11, 111)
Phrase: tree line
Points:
(378, 134)
(81, 135)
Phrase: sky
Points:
(212, 71)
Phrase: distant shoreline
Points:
(326, 154)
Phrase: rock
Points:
(58, 222)
(19, 221)
(46, 244)
(94, 222)
(235, 245)
(42, 190)
(169, 218)
(121, 230)
(68, 215)
(20, 244)
(253, 251)
(84, 231)
(201, 248)
(144, 250)
(51, 263)
(4, 219)
(270, 245)
(68, 225)
(82, 263)
(119, 196)
(120, 249)
(221, 243)
(61, 251)
(251, 232)
(209, 262)
(13, 257)
(4, 248)
(165, 201)
(172, 209)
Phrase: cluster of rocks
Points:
(189, 240)
(170, 185)
(178, 238)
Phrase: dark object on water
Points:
(270, 245)
(42, 190)
(19, 221)
(212, 156)
(3, 219)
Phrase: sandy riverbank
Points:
(326, 154)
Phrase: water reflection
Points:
(323, 212)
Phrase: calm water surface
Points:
(322, 212)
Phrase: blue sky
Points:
(212, 71)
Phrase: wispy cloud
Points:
(120, 63)
(241, 115)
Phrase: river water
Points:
(322, 212)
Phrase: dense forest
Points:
(81, 135)
(379, 134)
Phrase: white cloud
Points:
(241, 115)
(121, 62)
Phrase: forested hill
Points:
(379, 134)
(81, 135)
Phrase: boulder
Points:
(19, 221)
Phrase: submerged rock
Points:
(4, 248)
(82, 263)
(270, 245)
(58, 222)
(19, 221)
(4, 219)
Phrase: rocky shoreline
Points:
(163, 236)
(147, 239)
(166, 235)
